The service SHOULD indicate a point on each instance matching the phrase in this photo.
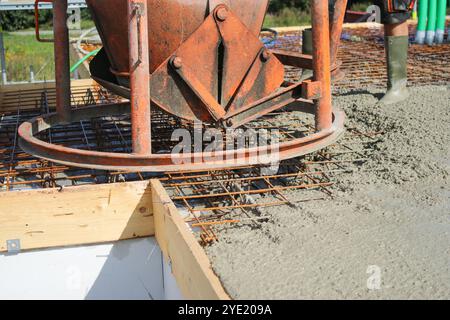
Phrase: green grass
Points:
(362, 6)
(87, 24)
(23, 51)
(288, 18)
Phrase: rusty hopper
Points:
(200, 61)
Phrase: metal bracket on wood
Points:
(13, 246)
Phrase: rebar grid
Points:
(363, 58)
(364, 63)
(223, 197)
(211, 198)
(19, 171)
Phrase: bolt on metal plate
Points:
(13, 246)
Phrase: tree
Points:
(278, 5)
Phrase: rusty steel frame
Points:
(21, 171)
(62, 60)
(139, 77)
(312, 96)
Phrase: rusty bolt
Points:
(222, 14)
(265, 55)
(177, 62)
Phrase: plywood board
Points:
(27, 96)
(190, 264)
(76, 215)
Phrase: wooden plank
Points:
(346, 26)
(368, 25)
(190, 264)
(76, 215)
(28, 95)
(42, 85)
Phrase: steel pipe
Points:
(139, 76)
(62, 60)
(252, 75)
(321, 62)
(165, 162)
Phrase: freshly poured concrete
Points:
(385, 235)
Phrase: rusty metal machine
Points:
(199, 61)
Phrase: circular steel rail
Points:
(162, 162)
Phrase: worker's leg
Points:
(396, 30)
(396, 46)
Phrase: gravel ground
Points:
(386, 234)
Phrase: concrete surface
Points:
(386, 234)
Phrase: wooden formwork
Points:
(100, 213)
(24, 97)
(97, 214)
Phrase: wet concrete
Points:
(386, 234)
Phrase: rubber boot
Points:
(396, 58)
(307, 48)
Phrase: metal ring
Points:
(161, 162)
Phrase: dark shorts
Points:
(389, 17)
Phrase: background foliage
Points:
(17, 20)
(281, 13)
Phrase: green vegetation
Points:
(24, 20)
(285, 13)
(23, 51)
(288, 17)
(361, 6)
(281, 13)
(19, 20)
(87, 24)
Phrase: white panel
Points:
(130, 269)
(172, 292)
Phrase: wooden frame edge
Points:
(191, 266)
(83, 215)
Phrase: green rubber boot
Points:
(396, 58)
(307, 48)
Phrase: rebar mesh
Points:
(213, 198)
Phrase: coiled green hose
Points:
(86, 57)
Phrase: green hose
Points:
(422, 24)
(432, 20)
(440, 24)
(79, 63)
